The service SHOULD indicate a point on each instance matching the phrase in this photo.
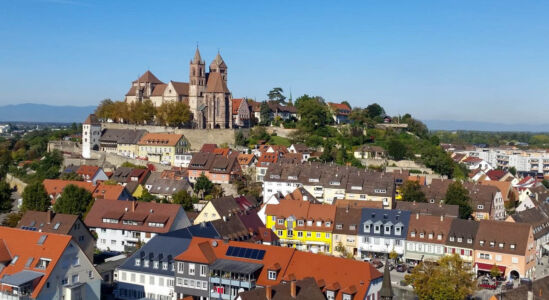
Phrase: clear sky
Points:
(458, 60)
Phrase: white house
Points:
(122, 225)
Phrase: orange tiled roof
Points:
(87, 171)
(54, 187)
(304, 210)
(236, 105)
(245, 159)
(108, 191)
(160, 139)
(267, 158)
(222, 151)
(24, 244)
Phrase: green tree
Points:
(203, 185)
(411, 191)
(314, 113)
(375, 110)
(448, 279)
(5, 196)
(396, 149)
(106, 110)
(276, 95)
(240, 139)
(147, 197)
(457, 194)
(184, 199)
(12, 219)
(259, 133)
(74, 200)
(494, 271)
(142, 112)
(545, 183)
(513, 171)
(71, 176)
(174, 114)
(35, 197)
(264, 114)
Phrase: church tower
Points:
(197, 83)
(219, 66)
(91, 132)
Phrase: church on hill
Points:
(206, 93)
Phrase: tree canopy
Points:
(35, 197)
(411, 191)
(5, 196)
(184, 199)
(276, 95)
(396, 149)
(448, 279)
(314, 113)
(203, 185)
(74, 200)
(174, 114)
(457, 194)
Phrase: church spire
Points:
(386, 292)
(197, 58)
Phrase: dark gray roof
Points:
(537, 216)
(463, 230)
(382, 217)
(165, 247)
(20, 278)
(121, 136)
(165, 186)
(234, 266)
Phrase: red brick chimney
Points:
(268, 292)
(293, 289)
(134, 203)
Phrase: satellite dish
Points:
(214, 243)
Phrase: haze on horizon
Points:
(460, 60)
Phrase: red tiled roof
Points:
(108, 191)
(496, 174)
(160, 139)
(340, 108)
(24, 244)
(236, 105)
(208, 148)
(87, 171)
(54, 187)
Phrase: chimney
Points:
(293, 289)
(134, 203)
(441, 217)
(268, 292)
(417, 216)
(49, 215)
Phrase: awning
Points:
(20, 278)
(488, 267)
(413, 256)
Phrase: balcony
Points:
(215, 295)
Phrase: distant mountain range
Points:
(484, 126)
(30, 112)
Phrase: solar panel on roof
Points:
(230, 251)
(253, 254)
(261, 254)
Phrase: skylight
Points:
(42, 239)
(56, 226)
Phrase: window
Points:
(469, 241)
(451, 239)
(76, 262)
(137, 262)
(430, 236)
(330, 295)
(151, 280)
(272, 275)
(65, 281)
(492, 244)
(397, 230)
(279, 232)
(339, 226)
(327, 235)
(319, 223)
(376, 229)
(43, 263)
(422, 235)
(146, 263)
(180, 267)
(155, 264)
(300, 234)
(141, 278)
(191, 269)
(280, 221)
(413, 234)
(300, 223)
(480, 206)
(513, 246)
(160, 281)
(367, 227)
(498, 257)
(179, 281)
(514, 260)
(328, 224)
(501, 245)
(318, 235)
(460, 240)
(346, 297)
(76, 279)
(439, 237)
(165, 266)
(203, 270)
(482, 243)
(132, 277)
(309, 234)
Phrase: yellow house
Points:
(162, 147)
(302, 225)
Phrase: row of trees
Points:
(175, 114)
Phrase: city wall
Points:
(196, 137)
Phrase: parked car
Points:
(410, 269)
(377, 263)
(401, 268)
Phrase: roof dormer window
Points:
(271, 275)
(481, 243)
(513, 246)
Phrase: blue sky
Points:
(458, 60)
